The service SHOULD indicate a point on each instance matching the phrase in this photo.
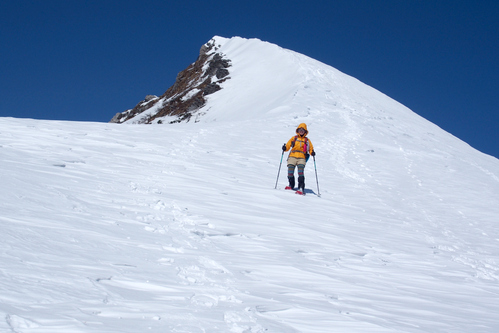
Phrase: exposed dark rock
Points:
(117, 117)
(221, 73)
(187, 95)
(211, 88)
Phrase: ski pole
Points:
(279, 170)
(317, 179)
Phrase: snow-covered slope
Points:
(178, 228)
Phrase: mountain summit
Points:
(231, 75)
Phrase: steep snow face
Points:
(272, 81)
(178, 228)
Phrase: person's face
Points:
(301, 131)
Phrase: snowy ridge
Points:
(178, 228)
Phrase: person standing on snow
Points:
(300, 147)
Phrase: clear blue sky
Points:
(86, 60)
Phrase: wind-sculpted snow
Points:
(121, 228)
(178, 228)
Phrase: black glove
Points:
(312, 153)
(284, 147)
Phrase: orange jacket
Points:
(302, 145)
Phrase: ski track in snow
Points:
(123, 228)
(219, 259)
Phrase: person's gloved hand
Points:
(312, 153)
(284, 147)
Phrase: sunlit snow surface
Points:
(178, 228)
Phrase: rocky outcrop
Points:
(187, 95)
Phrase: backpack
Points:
(307, 155)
